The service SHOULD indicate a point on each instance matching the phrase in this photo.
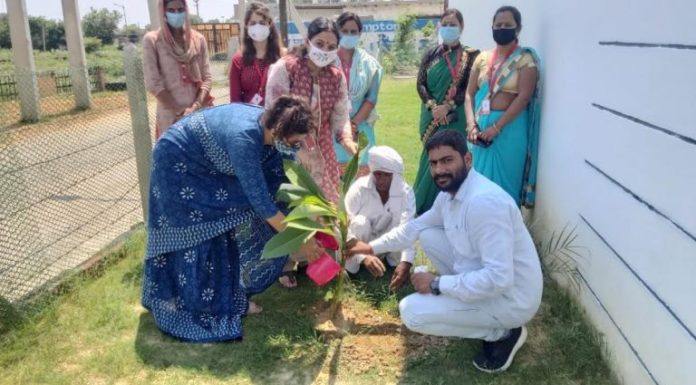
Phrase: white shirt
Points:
(493, 252)
(362, 198)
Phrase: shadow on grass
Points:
(562, 347)
(279, 345)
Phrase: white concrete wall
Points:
(618, 159)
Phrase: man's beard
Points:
(449, 182)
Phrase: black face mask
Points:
(504, 36)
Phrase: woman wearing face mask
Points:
(261, 48)
(363, 74)
(176, 66)
(503, 109)
(442, 80)
(310, 72)
(214, 176)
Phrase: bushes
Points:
(220, 56)
(107, 57)
(92, 44)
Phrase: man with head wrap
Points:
(489, 282)
(377, 203)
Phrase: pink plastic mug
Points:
(323, 269)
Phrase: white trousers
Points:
(447, 316)
(361, 229)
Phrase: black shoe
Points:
(497, 356)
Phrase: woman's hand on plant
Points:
(421, 282)
(400, 276)
(374, 265)
(350, 145)
(360, 247)
(311, 250)
(354, 129)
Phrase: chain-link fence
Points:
(69, 182)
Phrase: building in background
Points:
(369, 10)
(617, 160)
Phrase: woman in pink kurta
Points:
(310, 73)
(176, 65)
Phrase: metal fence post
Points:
(137, 99)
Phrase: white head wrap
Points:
(386, 159)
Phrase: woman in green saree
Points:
(442, 82)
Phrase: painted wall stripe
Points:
(630, 345)
(645, 284)
(641, 200)
(663, 130)
(648, 45)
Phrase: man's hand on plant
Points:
(311, 250)
(374, 265)
(421, 282)
(400, 276)
(360, 247)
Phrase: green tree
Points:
(132, 32)
(429, 29)
(46, 34)
(4, 32)
(403, 51)
(101, 24)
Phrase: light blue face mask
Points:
(176, 19)
(449, 34)
(350, 41)
(286, 149)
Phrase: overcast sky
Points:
(136, 10)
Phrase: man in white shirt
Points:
(377, 203)
(490, 280)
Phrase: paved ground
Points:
(68, 187)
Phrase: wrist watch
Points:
(435, 286)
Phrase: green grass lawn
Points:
(109, 57)
(96, 332)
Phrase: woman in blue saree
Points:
(213, 183)
(503, 110)
(364, 76)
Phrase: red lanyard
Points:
(262, 75)
(491, 79)
(454, 71)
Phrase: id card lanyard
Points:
(257, 99)
(492, 76)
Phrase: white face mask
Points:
(320, 57)
(259, 32)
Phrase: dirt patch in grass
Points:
(371, 340)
